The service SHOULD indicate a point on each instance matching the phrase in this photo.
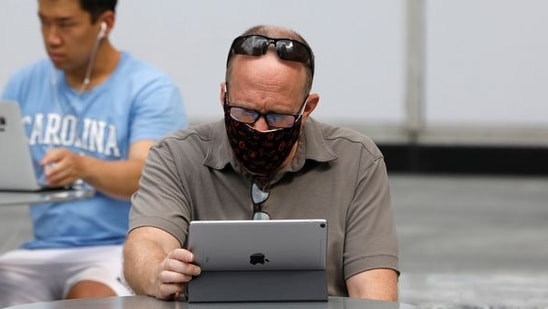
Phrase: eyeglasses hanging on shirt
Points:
(259, 195)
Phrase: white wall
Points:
(487, 62)
(483, 78)
(358, 47)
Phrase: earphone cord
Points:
(87, 77)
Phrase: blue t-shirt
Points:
(137, 102)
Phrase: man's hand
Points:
(155, 264)
(175, 271)
(62, 167)
(116, 178)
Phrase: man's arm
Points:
(379, 283)
(118, 179)
(155, 265)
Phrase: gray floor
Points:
(473, 242)
(466, 242)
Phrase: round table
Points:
(145, 302)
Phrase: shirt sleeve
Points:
(371, 238)
(161, 200)
(158, 109)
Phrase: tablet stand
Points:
(256, 286)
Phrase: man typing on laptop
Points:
(268, 159)
(90, 113)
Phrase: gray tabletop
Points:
(137, 302)
(27, 198)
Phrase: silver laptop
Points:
(236, 245)
(16, 166)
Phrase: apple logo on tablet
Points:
(257, 258)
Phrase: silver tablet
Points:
(229, 245)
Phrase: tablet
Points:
(240, 245)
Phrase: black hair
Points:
(97, 7)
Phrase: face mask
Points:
(261, 153)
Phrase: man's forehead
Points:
(267, 66)
(60, 8)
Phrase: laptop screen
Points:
(16, 167)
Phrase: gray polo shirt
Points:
(337, 174)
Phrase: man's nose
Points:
(51, 36)
(261, 124)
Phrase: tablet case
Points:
(252, 261)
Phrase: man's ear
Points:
(311, 103)
(106, 21)
(223, 93)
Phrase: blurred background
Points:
(453, 92)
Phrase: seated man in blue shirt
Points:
(91, 113)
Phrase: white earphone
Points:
(103, 32)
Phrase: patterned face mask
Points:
(261, 153)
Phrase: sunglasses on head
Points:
(287, 49)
